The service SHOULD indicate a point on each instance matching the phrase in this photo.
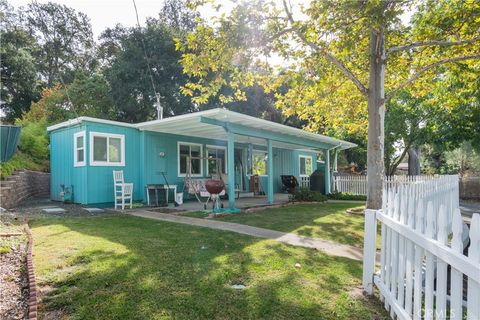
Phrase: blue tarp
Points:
(9, 136)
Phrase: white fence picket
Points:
(417, 285)
(473, 297)
(429, 264)
(441, 280)
(409, 263)
(456, 277)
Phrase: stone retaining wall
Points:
(470, 188)
(22, 185)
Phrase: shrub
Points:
(305, 194)
(34, 140)
(21, 161)
(346, 196)
(33, 150)
(5, 248)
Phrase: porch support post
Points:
(335, 164)
(334, 169)
(231, 169)
(327, 171)
(270, 172)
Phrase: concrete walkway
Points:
(329, 247)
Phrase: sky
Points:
(107, 13)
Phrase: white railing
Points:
(355, 184)
(304, 181)
(350, 184)
(423, 270)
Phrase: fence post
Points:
(369, 250)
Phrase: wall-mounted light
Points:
(162, 154)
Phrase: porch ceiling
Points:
(213, 124)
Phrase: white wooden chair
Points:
(122, 191)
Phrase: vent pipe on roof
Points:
(159, 107)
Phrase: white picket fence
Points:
(423, 272)
(350, 184)
(305, 182)
(355, 184)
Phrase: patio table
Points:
(156, 187)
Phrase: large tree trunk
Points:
(376, 116)
(413, 161)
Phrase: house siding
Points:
(61, 165)
(143, 165)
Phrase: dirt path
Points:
(13, 276)
(329, 247)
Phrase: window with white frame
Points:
(79, 149)
(190, 159)
(216, 160)
(305, 166)
(259, 162)
(107, 149)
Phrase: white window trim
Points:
(209, 146)
(299, 165)
(178, 158)
(107, 163)
(77, 163)
(266, 163)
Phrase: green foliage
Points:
(326, 69)
(34, 140)
(346, 196)
(21, 161)
(90, 96)
(66, 41)
(305, 194)
(464, 160)
(18, 66)
(129, 77)
(5, 248)
(33, 148)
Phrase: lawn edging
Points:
(32, 286)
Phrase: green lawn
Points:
(122, 267)
(323, 220)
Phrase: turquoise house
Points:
(84, 152)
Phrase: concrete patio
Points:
(240, 203)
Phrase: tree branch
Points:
(422, 70)
(329, 56)
(441, 43)
(399, 160)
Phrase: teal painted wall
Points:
(143, 164)
(100, 178)
(61, 165)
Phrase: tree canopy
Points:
(343, 60)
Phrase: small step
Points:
(94, 210)
(245, 194)
(55, 210)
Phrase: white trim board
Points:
(178, 158)
(77, 163)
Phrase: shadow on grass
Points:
(135, 268)
(323, 220)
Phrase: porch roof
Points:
(215, 124)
